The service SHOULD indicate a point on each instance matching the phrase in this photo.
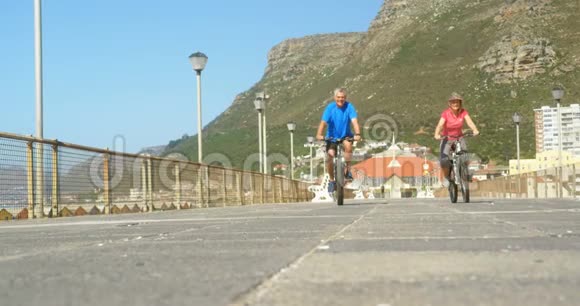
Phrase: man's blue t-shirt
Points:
(338, 119)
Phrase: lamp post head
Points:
(259, 105)
(517, 118)
(310, 139)
(557, 93)
(291, 126)
(198, 61)
(260, 95)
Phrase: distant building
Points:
(547, 128)
(417, 149)
(280, 167)
(375, 145)
(410, 171)
(543, 160)
(488, 174)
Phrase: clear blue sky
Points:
(121, 67)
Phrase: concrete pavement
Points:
(404, 252)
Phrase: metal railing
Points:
(49, 178)
(550, 183)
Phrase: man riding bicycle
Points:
(451, 125)
(338, 116)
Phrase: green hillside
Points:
(502, 57)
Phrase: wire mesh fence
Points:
(42, 178)
(14, 179)
(550, 183)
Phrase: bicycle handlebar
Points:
(338, 140)
(470, 134)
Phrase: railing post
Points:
(200, 186)
(545, 184)
(225, 189)
(177, 187)
(296, 192)
(280, 191)
(144, 185)
(30, 179)
(536, 193)
(560, 187)
(150, 184)
(106, 181)
(39, 206)
(297, 188)
(519, 184)
(262, 193)
(55, 185)
(274, 189)
(271, 189)
(556, 187)
(266, 188)
(513, 187)
(574, 181)
(252, 188)
(240, 178)
(208, 190)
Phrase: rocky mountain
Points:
(154, 151)
(501, 55)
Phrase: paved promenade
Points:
(402, 252)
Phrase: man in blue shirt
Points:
(338, 116)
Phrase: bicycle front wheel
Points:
(339, 176)
(453, 192)
(464, 181)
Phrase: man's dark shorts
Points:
(332, 145)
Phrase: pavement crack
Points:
(262, 288)
(496, 220)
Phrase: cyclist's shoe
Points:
(331, 186)
(348, 175)
(445, 182)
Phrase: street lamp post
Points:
(198, 61)
(291, 128)
(517, 119)
(38, 210)
(259, 105)
(557, 94)
(38, 65)
(393, 164)
(425, 170)
(310, 140)
(264, 98)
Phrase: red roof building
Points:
(377, 167)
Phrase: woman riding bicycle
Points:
(451, 125)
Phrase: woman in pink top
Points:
(451, 125)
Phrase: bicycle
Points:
(339, 168)
(458, 161)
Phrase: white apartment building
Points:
(546, 124)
